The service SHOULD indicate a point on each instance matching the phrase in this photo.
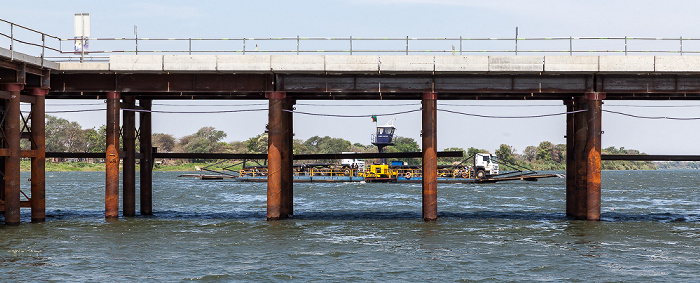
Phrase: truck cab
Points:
(485, 165)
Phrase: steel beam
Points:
(12, 171)
(276, 133)
(38, 162)
(129, 159)
(112, 157)
(593, 144)
(429, 135)
(146, 168)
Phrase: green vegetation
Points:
(63, 135)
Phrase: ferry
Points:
(483, 168)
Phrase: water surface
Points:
(216, 231)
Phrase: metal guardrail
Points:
(243, 45)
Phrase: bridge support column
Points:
(146, 169)
(288, 158)
(38, 162)
(578, 203)
(129, 159)
(583, 157)
(275, 152)
(593, 144)
(112, 156)
(12, 139)
(429, 135)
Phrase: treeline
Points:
(66, 136)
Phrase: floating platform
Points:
(207, 177)
(401, 179)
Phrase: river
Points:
(216, 231)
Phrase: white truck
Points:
(359, 164)
(485, 165)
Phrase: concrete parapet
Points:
(189, 63)
(30, 60)
(297, 63)
(570, 64)
(243, 63)
(136, 63)
(516, 63)
(352, 63)
(73, 66)
(677, 64)
(461, 63)
(407, 63)
(626, 64)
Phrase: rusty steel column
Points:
(12, 171)
(429, 134)
(146, 169)
(595, 105)
(288, 159)
(580, 182)
(129, 159)
(38, 167)
(275, 141)
(112, 157)
(570, 163)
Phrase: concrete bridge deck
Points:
(402, 64)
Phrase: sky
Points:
(391, 18)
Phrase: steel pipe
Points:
(570, 161)
(579, 201)
(112, 157)
(129, 159)
(146, 168)
(429, 136)
(593, 183)
(38, 162)
(12, 167)
(275, 151)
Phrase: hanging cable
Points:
(511, 117)
(653, 117)
(351, 116)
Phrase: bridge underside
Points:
(376, 86)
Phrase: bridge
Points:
(130, 83)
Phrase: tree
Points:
(257, 144)
(321, 145)
(206, 140)
(530, 153)
(544, 151)
(164, 142)
(506, 154)
(96, 139)
(63, 135)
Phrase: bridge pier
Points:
(583, 181)
(112, 156)
(429, 135)
(38, 161)
(129, 159)
(12, 133)
(278, 150)
(288, 158)
(146, 168)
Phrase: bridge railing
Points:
(99, 49)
